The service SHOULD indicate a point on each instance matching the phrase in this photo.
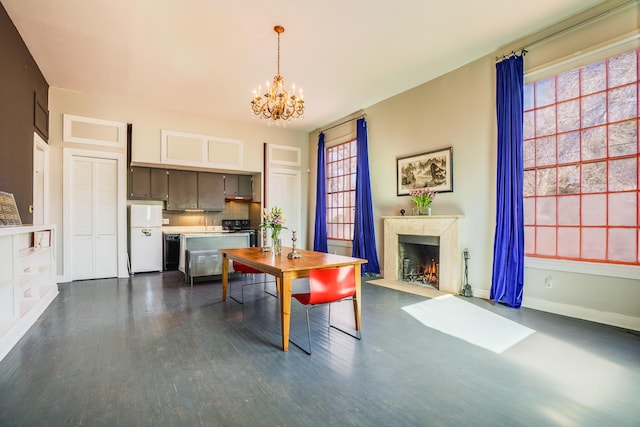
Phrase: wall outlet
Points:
(548, 283)
(165, 221)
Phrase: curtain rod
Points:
(520, 52)
(343, 123)
(569, 28)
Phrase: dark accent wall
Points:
(24, 100)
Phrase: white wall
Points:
(458, 110)
(147, 124)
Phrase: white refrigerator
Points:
(145, 238)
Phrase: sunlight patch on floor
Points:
(461, 319)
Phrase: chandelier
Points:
(277, 103)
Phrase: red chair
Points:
(326, 286)
(245, 270)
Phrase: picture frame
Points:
(431, 169)
(9, 215)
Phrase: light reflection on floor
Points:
(582, 376)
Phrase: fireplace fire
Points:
(420, 259)
(431, 273)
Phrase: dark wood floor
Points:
(150, 351)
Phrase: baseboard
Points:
(607, 318)
(9, 339)
(604, 317)
(480, 293)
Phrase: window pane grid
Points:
(582, 163)
(341, 195)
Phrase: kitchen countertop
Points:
(217, 229)
(213, 233)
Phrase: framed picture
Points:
(433, 170)
(9, 214)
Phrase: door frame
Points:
(40, 144)
(121, 205)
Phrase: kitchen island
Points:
(199, 254)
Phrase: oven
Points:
(241, 226)
(171, 251)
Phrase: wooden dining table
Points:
(285, 271)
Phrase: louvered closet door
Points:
(93, 210)
(105, 227)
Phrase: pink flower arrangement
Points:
(274, 220)
(422, 197)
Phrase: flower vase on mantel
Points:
(422, 197)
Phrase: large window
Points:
(341, 190)
(581, 161)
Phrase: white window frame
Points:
(580, 59)
(332, 240)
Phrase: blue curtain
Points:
(364, 236)
(320, 233)
(508, 245)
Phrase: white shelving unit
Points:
(27, 279)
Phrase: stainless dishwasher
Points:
(203, 262)
(200, 256)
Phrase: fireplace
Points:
(445, 229)
(419, 260)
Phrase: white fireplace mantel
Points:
(446, 227)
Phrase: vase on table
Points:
(276, 242)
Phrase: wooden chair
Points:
(326, 286)
(245, 271)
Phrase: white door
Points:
(284, 190)
(93, 210)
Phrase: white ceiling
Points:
(207, 56)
